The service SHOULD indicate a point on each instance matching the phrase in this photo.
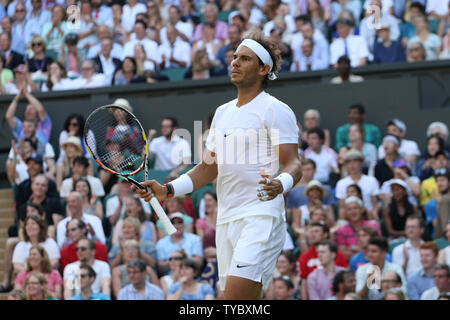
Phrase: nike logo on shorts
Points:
(226, 135)
(238, 266)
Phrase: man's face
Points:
(343, 30)
(31, 112)
(83, 252)
(179, 225)
(34, 168)
(174, 16)
(139, 30)
(384, 34)
(354, 116)
(353, 165)
(79, 170)
(85, 281)
(390, 281)
(394, 130)
(363, 238)
(74, 203)
(315, 234)
(21, 12)
(87, 70)
(390, 147)
(282, 291)
(307, 30)
(308, 172)
(427, 258)
(166, 128)
(136, 276)
(349, 284)
(441, 162)
(441, 280)
(245, 68)
(210, 14)
(106, 47)
(413, 229)
(74, 231)
(353, 212)
(6, 25)
(324, 255)
(314, 141)
(233, 34)
(103, 32)
(307, 48)
(375, 255)
(4, 42)
(29, 129)
(39, 186)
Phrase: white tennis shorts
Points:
(249, 248)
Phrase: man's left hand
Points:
(268, 188)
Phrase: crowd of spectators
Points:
(62, 45)
(369, 219)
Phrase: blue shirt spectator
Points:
(152, 292)
(190, 243)
(394, 52)
(205, 289)
(94, 296)
(359, 259)
(418, 283)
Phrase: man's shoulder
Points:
(101, 264)
(191, 236)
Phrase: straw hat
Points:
(123, 103)
(75, 141)
(316, 184)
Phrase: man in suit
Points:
(13, 59)
(107, 64)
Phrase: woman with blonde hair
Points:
(133, 208)
(175, 261)
(201, 66)
(130, 251)
(72, 149)
(38, 261)
(131, 230)
(36, 287)
(40, 61)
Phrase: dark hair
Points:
(137, 263)
(188, 262)
(418, 218)
(290, 257)
(358, 107)
(344, 59)
(317, 131)
(173, 120)
(88, 184)
(339, 278)
(80, 119)
(32, 143)
(358, 189)
(272, 49)
(2, 57)
(380, 242)
(211, 193)
(81, 161)
(42, 225)
(324, 227)
(91, 243)
(90, 270)
(309, 161)
(441, 153)
(443, 266)
(303, 17)
(38, 207)
(49, 83)
(330, 244)
(133, 61)
(287, 281)
(141, 22)
(418, 6)
(372, 232)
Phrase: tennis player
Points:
(250, 137)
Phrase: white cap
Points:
(123, 103)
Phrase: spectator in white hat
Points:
(385, 49)
(408, 148)
(440, 129)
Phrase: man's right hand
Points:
(154, 188)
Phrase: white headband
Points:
(354, 199)
(262, 53)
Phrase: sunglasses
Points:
(74, 124)
(177, 222)
(175, 258)
(82, 249)
(85, 275)
(36, 44)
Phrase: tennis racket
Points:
(117, 141)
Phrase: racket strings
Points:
(117, 139)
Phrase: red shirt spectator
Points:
(69, 254)
(308, 261)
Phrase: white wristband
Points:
(286, 180)
(182, 185)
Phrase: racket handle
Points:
(162, 216)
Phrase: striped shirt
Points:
(152, 292)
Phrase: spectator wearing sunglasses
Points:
(86, 278)
(86, 256)
(40, 61)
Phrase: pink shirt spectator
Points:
(347, 235)
(221, 31)
(320, 284)
(53, 279)
(204, 225)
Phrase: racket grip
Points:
(162, 216)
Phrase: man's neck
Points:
(177, 237)
(345, 77)
(77, 215)
(356, 224)
(415, 242)
(139, 286)
(387, 43)
(38, 198)
(106, 56)
(381, 264)
(329, 267)
(317, 149)
(86, 293)
(245, 95)
(429, 271)
(356, 176)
